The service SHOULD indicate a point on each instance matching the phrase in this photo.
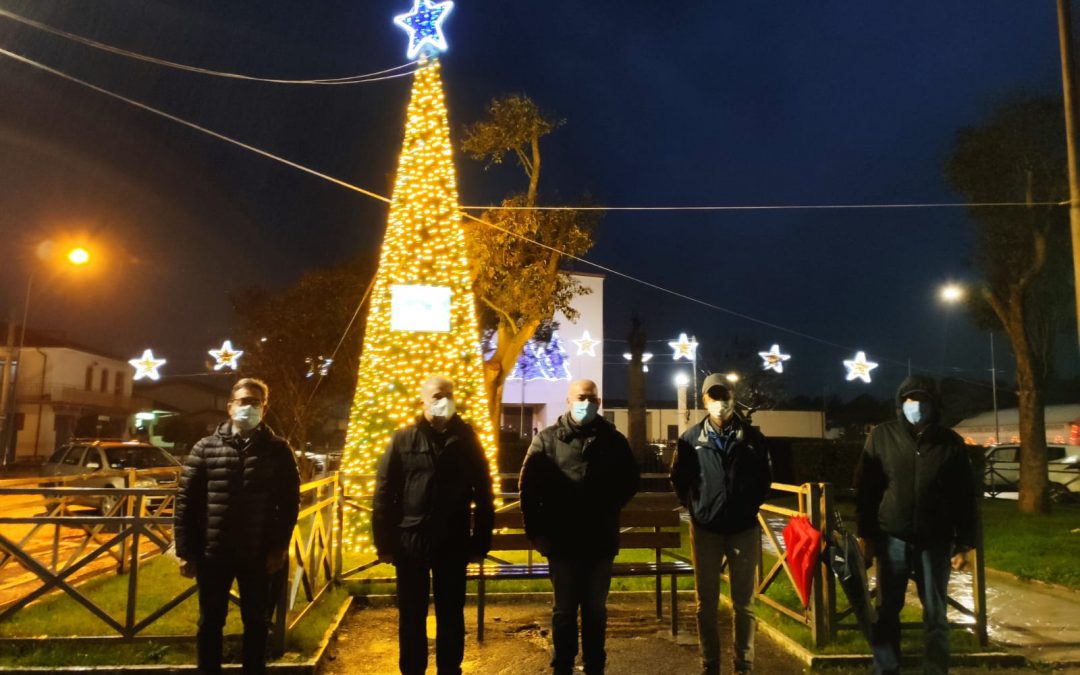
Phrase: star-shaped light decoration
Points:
(424, 25)
(859, 368)
(773, 359)
(586, 345)
(320, 365)
(645, 356)
(147, 366)
(226, 357)
(684, 348)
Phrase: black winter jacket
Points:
(238, 498)
(573, 482)
(425, 484)
(722, 490)
(916, 484)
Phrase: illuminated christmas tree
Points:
(422, 319)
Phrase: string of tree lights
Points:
(903, 363)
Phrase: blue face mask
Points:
(916, 411)
(583, 412)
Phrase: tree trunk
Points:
(1033, 497)
(500, 364)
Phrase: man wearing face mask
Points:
(235, 510)
(576, 477)
(430, 477)
(915, 506)
(722, 473)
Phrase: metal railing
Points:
(134, 528)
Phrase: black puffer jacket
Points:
(722, 489)
(425, 484)
(915, 483)
(574, 481)
(238, 498)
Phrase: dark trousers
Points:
(579, 583)
(258, 589)
(416, 580)
(897, 561)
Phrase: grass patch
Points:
(1044, 548)
(159, 582)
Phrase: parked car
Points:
(110, 458)
(1063, 464)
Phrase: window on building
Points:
(119, 384)
(89, 378)
(104, 380)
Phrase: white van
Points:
(1063, 464)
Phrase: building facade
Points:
(62, 392)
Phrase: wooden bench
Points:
(650, 521)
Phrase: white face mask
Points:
(246, 417)
(721, 410)
(443, 408)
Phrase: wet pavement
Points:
(517, 642)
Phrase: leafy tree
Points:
(1018, 155)
(287, 335)
(519, 285)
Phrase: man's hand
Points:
(276, 560)
(187, 569)
(866, 548)
(959, 561)
(542, 545)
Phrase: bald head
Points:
(437, 396)
(436, 384)
(583, 390)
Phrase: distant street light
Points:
(732, 378)
(952, 294)
(77, 257)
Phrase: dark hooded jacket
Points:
(425, 485)
(238, 497)
(915, 482)
(574, 481)
(722, 478)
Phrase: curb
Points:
(1037, 584)
(308, 667)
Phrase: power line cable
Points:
(351, 79)
(373, 195)
(766, 207)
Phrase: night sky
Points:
(667, 104)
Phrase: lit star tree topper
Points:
(424, 25)
(424, 278)
(586, 346)
(773, 359)
(226, 356)
(146, 366)
(685, 348)
(859, 368)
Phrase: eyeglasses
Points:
(248, 400)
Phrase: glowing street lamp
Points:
(78, 256)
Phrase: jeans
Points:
(897, 561)
(585, 583)
(258, 591)
(416, 579)
(742, 551)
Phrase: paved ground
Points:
(1041, 622)
(517, 643)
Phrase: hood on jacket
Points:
(923, 384)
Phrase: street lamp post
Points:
(952, 294)
(76, 257)
(681, 382)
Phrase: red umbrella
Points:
(803, 544)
